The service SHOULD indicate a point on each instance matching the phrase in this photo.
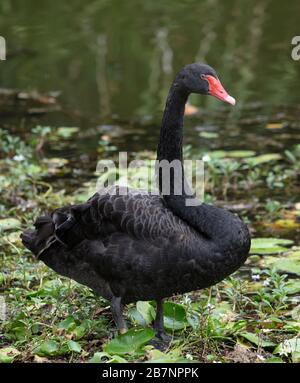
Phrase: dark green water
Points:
(113, 62)
(114, 57)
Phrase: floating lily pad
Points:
(293, 286)
(289, 263)
(263, 158)
(143, 313)
(269, 242)
(131, 342)
(146, 310)
(101, 357)
(208, 135)
(231, 154)
(270, 250)
(174, 356)
(269, 245)
(56, 162)
(175, 316)
(66, 132)
(254, 258)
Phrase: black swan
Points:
(142, 246)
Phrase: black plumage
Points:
(140, 246)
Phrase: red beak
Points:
(217, 90)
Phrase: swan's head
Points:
(203, 79)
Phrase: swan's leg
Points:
(159, 322)
(117, 312)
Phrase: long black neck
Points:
(170, 144)
(170, 150)
(171, 133)
(210, 221)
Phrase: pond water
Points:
(117, 58)
(113, 61)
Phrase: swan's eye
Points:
(203, 76)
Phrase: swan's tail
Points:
(63, 225)
(36, 240)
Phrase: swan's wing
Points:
(136, 214)
(134, 244)
(141, 215)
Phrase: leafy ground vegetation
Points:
(253, 316)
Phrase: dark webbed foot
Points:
(117, 313)
(164, 337)
(162, 340)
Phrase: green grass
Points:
(253, 316)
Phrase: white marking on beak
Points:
(230, 100)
